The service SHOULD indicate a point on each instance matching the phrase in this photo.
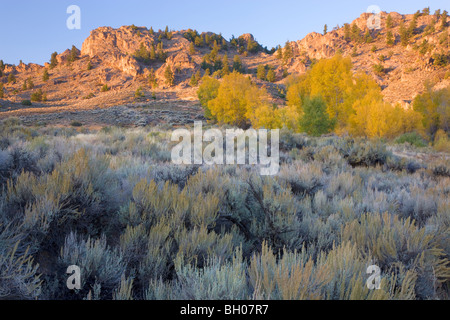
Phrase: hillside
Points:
(122, 60)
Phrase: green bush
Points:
(413, 138)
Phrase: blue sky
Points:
(30, 30)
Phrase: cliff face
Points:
(407, 69)
(111, 55)
(112, 48)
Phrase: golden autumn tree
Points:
(240, 102)
(332, 80)
(370, 116)
(206, 92)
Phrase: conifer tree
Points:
(237, 64)
(389, 22)
(444, 17)
(11, 78)
(261, 72)
(404, 34)
(73, 54)
(192, 49)
(168, 74)
(152, 79)
(279, 53)
(368, 37)
(30, 83)
(287, 52)
(325, 30)
(53, 61)
(271, 75)
(390, 38)
(356, 33)
(152, 53)
(347, 32)
(193, 82)
(225, 66)
(45, 76)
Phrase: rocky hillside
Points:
(406, 68)
(113, 63)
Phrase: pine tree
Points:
(53, 60)
(261, 72)
(390, 38)
(356, 33)
(24, 86)
(168, 74)
(252, 46)
(139, 93)
(444, 17)
(279, 53)
(437, 14)
(11, 78)
(198, 75)
(224, 44)
(45, 76)
(193, 82)
(347, 32)
(404, 34)
(152, 79)
(151, 31)
(198, 41)
(389, 22)
(225, 66)
(426, 11)
(162, 55)
(431, 28)
(368, 37)
(152, 53)
(30, 83)
(192, 49)
(237, 64)
(287, 52)
(73, 54)
(412, 27)
(2, 91)
(325, 30)
(271, 75)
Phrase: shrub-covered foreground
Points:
(140, 227)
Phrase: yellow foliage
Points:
(370, 117)
(441, 141)
(240, 102)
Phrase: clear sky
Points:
(30, 30)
